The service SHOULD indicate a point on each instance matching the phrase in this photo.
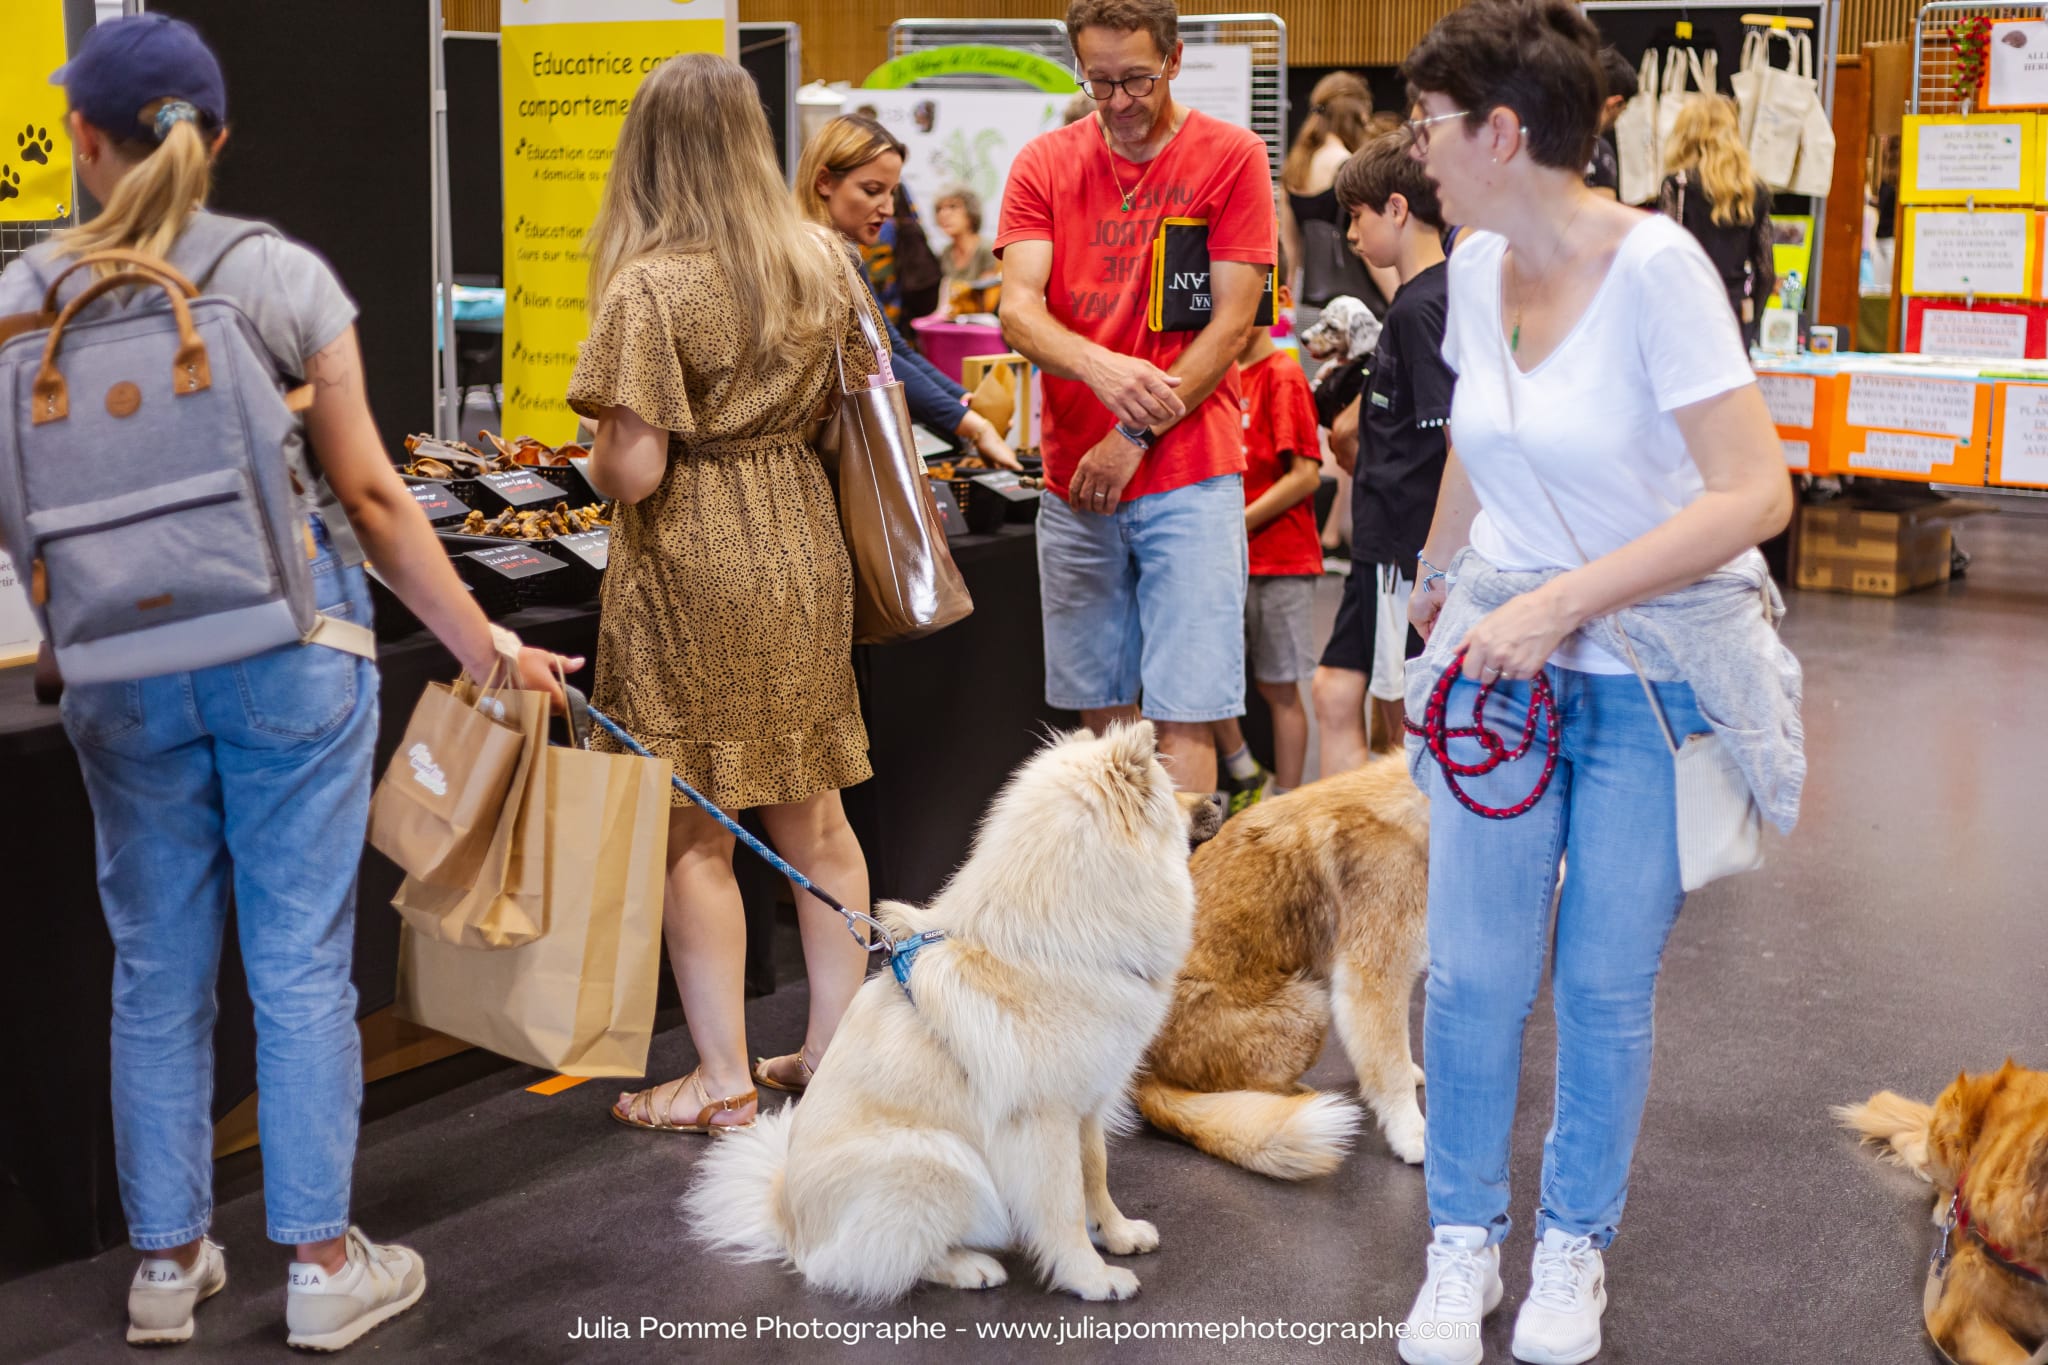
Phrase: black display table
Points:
(948, 717)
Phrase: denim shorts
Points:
(1147, 605)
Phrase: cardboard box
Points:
(1874, 552)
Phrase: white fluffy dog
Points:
(968, 1115)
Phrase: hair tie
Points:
(172, 114)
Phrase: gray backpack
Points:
(143, 489)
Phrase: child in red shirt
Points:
(1283, 467)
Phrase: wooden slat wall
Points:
(845, 39)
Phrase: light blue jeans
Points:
(1610, 815)
(245, 783)
(1147, 603)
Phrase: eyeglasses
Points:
(1418, 128)
(1137, 87)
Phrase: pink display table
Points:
(946, 343)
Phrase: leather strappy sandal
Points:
(656, 1101)
(809, 1072)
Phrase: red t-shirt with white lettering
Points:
(1279, 424)
(1066, 187)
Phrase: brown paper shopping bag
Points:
(580, 998)
(503, 903)
(441, 799)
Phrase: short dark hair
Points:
(1383, 168)
(1620, 76)
(1160, 18)
(1540, 58)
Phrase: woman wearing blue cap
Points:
(246, 781)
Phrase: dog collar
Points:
(1959, 1217)
(905, 953)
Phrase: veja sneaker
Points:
(1560, 1320)
(326, 1312)
(163, 1295)
(1462, 1288)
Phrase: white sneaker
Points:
(163, 1294)
(326, 1312)
(1462, 1288)
(1560, 1320)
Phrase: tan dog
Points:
(968, 1116)
(1987, 1135)
(1309, 906)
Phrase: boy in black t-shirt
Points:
(1401, 423)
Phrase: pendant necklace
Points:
(1131, 194)
(1515, 336)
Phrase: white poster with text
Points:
(1971, 253)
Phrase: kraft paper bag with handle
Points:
(441, 799)
(995, 398)
(504, 904)
(580, 998)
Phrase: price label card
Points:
(950, 515)
(515, 561)
(520, 489)
(2023, 435)
(1984, 253)
(1901, 454)
(1965, 332)
(437, 502)
(1790, 399)
(1005, 482)
(592, 547)
(1798, 454)
(1898, 404)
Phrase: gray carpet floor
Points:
(1898, 936)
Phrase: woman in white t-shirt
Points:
(1605, 411)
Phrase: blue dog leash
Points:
(900, 956)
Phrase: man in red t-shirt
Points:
(1141, 547)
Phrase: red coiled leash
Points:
(1437, 737)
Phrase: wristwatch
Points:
(1141, 437)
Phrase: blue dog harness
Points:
(905, 953)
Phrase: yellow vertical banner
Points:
(35, 146)
(569, 71)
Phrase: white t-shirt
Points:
(1595, 416)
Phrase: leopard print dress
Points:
(726, 640)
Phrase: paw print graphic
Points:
(10, 183)
(34, 144)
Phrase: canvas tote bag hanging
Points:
(1748, 82)
(1788, 94)
(905, 583)
(1635, 138)
(1813, 174)
(1687, 76)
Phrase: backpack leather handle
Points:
(190, 372)
(155, 265)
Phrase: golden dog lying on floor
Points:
(1307, 906)
(1984, 1146)
(965, 1112)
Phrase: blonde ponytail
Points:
(153, 201)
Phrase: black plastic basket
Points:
(508, 582)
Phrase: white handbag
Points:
(1814, 172)
(1720, 828)
(1635, 138)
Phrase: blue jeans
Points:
(1610, 814)
(1147, 602)
(244, 784)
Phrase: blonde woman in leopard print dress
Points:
(726, 639)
